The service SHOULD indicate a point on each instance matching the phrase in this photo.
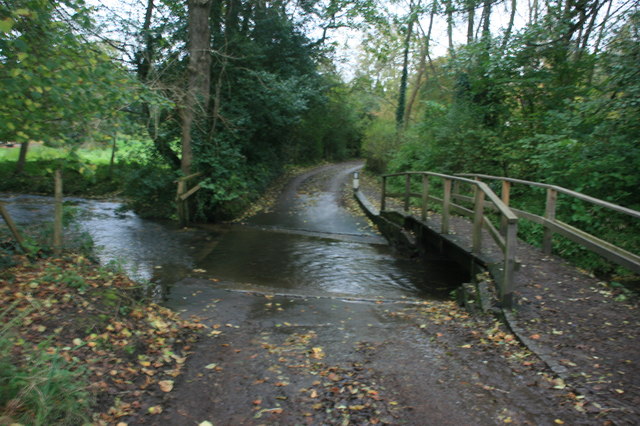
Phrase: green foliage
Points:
(56, 85)
(150, 190)
(380, 142)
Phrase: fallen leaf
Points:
(211, 366)
(166, 385)
(317, 353)
(156, 409)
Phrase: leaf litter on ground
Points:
(96, 320)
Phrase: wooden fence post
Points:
(425, 196)
(506, 291)
(478, 217)
(549, 214)
(506, 198)
(446, 206)
(12, 227)
(57, 223)
(407, 192)
(383, 196)
(181, 204)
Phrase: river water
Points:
(308, 244)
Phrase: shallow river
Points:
(309, 244)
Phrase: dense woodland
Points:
(539, 90)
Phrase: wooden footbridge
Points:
(470, 195)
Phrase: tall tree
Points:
(402, 92)
(197, 96)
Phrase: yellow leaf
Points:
(156, 409)
(166, 385)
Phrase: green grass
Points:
(96, 154)
(86, 169)
(37, 388)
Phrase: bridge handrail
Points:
(553, 226)
(560, 190)
(502, 207)
(506, 238)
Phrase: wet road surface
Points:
(316, 325)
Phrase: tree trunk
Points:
(145, 56)
(425, 53)
(471, 16)
(449, 11)
(113, 156)
(507, 33)
(22, 159)
(144, 61)
(486, 23)
(403, 79)
(197, 95)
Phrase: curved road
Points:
(298, 337)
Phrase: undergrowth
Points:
(36, 387)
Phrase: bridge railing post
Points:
(407, 192)
(425, 196)
(506, 292)
(506, 198)
(57, 223)
(478, 219)
(549, 214)
(446, 206)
